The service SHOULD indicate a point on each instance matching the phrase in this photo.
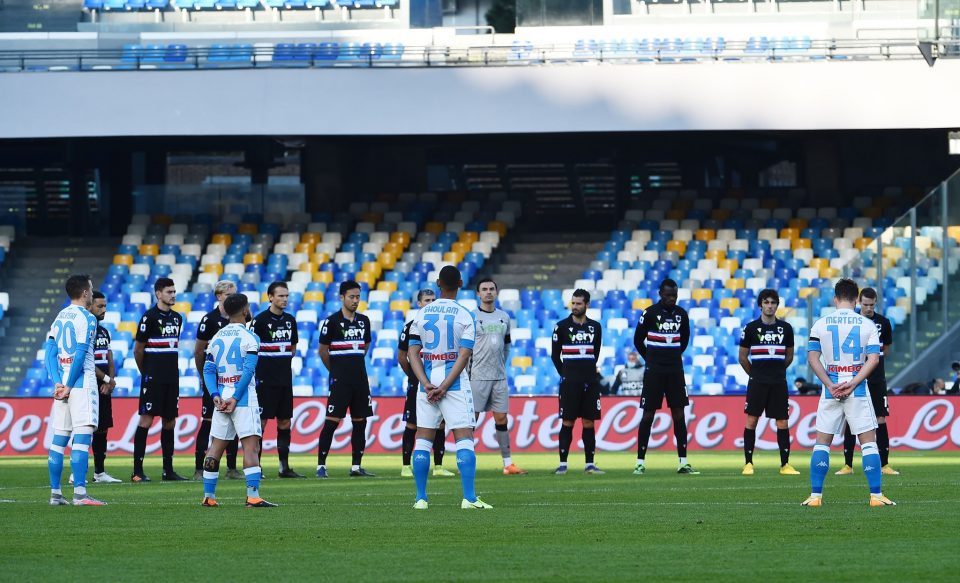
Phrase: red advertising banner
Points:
(714, 423)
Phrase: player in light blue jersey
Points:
(441, 342)
(68, 355)
(228, 374)
(844, 349)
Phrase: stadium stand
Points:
(721, 252)
(7, 236)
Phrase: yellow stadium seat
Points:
(682, 204)
(372, 267)
(891, 252)
(469, 237)
(717, 255)
(706, 234)
(678, 247)
(393, 248)
(642, 303)
(248, 229)
(366, 277)
(459, 248)
(313, 296)
(720, 214)
(734, 283)
(784, 312)
(523, 362)
(874, 212)
(123, 260)
(701, 294)
(253, 259)
(307, 267)
(801, 244)
(676, 214)
(730, 265)
(806, 292)
(182, 307)
(954, 232)
(213, 268)
(311, 238)
(453, 257)
(861, 243)
(323, 276)
(362, 306)
(305, 247)
(789, 233)
(730, 304)
(387, 260)
(387, 286)
(829, 272)
(166, 220)
(130, 327)
(151, 250)
(319, 258)
(498, 226)
(400, 305)
(400, 238)
(371, 217)
(434, 227)
(819, 263)
(798, 224)
(221, 239)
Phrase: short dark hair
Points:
(869, 293)
(488, 280)
(846, 289)
(347, 286)
(582, 293)
(162, 283)
(98, 295)
(425, 292)
(668, 284)
(76, 285)
(273, 287)
(235, 304)
(449, 278)
(767, 293)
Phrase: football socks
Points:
(203, 442)
(253, 481)
(819, 466)
(503, 439)
(883, 443)
(139, 449)
(871, 465)
(783, 442)
(680, 433)
(421, 466)
(566, 438)
(283, 447)
(326, 438)
(358, 440)
(439, 447)
(849, 445)
(589, 436)
(55, 460)
(99, 451)
(467, 464)
(166, 445)
(749, 441)
(643, 433)
(409, 436)
(80, 459)
(231, 450)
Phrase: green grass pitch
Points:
(718, 526)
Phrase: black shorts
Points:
(106, 412)
(766, 397)
(579, 398)
(356, 398)
(660, 383)
(410, 403)
(206, 407)
(878, 396)
(276, 401)
(161, 399)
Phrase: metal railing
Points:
(237, 56)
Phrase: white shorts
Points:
(456, 408)
(858, 412)
(244, 421)
(490, 396)
(81, 409)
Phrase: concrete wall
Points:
(483, 100)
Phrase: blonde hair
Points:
(223, 286)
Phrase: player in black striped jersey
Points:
(210, 324)
(766, 351)
(662, 335)
(344, 341)
(575, 352)
(156, 351)
(277, 330)
(106, 371)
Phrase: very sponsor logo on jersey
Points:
(582, 336)
(169, 329)
(353, 334)
(281, 334)
(668, 326)
(770, 337)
